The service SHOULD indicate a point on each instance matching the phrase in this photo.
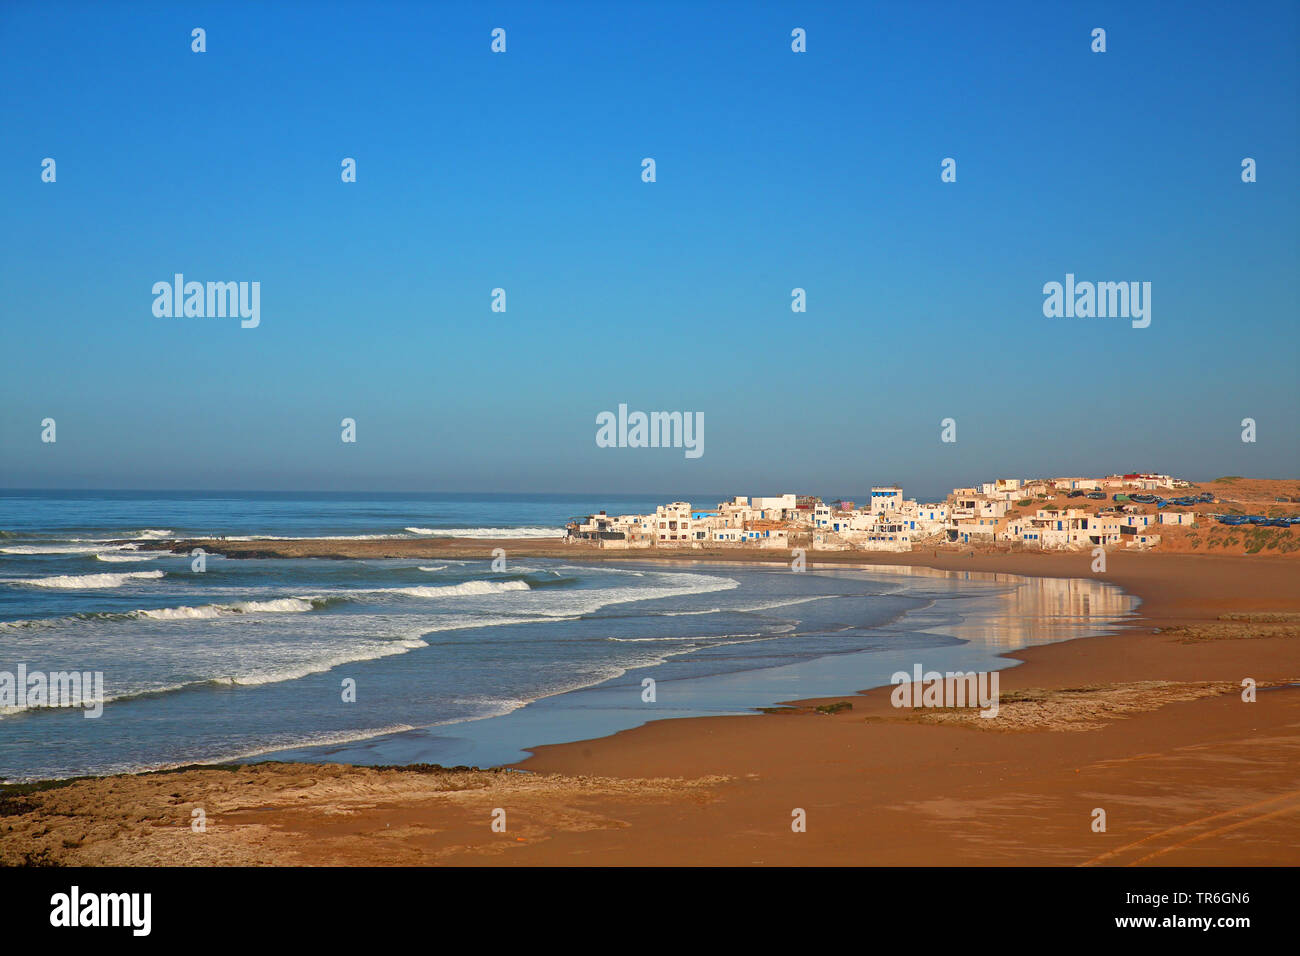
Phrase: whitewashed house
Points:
(886, 499)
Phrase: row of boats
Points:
(1187, 501)
(1284, 522)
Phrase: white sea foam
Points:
(322, 739)
(436, 567)
(87, 580)
(701, 637)
(285, 605)
(279, 651)
(665, 585)
(601, 569)
(467, 589)
(270, 745)
(569, 604)
(529, 569)
(773, 605)
(293, 605)
(364, 651)
(251, 659)
(119, 557)
(56, 548)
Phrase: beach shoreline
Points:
(964, 620)
(1134, 724)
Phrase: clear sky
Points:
(522, 170)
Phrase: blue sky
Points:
(522, 170)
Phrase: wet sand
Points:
(1148, 725)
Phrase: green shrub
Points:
(834, 708)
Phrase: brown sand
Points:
(1148, 726)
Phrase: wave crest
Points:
(87, 580)
(467, 589)
(526, 532)
(291, 605)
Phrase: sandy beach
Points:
(1148, 725)
(595, 435)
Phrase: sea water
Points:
(437, 660)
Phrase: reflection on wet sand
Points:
(1030, 610)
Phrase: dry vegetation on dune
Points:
(1070, 708)
(1275, 498)
(1094, 706)
(1254, 491)
(1237, 627)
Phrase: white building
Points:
(673, 523)
(774, 508)
(1075, 484)
(886, 499)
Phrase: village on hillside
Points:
(1128, 511)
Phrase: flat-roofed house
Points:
(673, 523)
(886, 536)
(886, 499)
(767, 534)
(1105, 529)
(1075, 484)
(968, 530)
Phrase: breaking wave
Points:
(533, 532)
(57, 548)
(292, 605)
(467, 589)
(87, 580)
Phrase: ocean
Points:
(446, 661)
